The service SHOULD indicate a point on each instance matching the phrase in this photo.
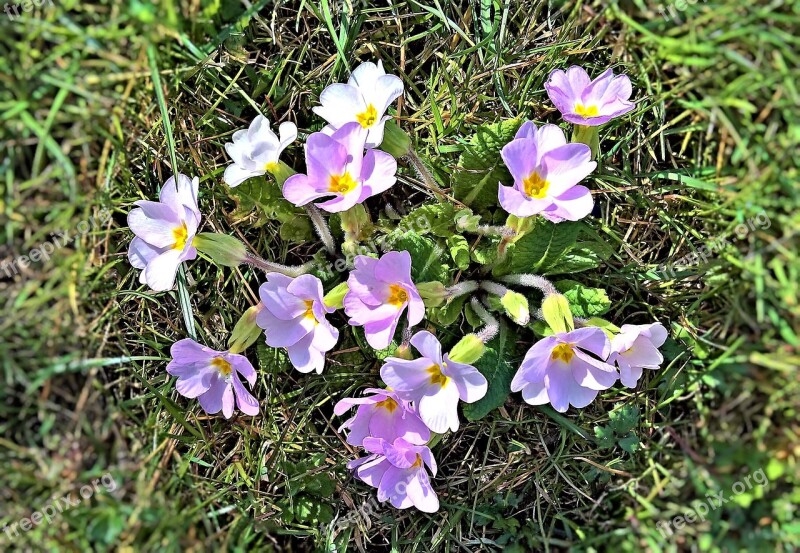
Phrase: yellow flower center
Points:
(417, 462)
(586, 111)
(309, 313)
(397, 295)
(271, 166)
(535, 186)
(222, 366)
(436, 376)
(367, 117)
(389, 404)
(563, 352)
(341, 184)
(181, 235)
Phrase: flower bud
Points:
(520, 225)
(356, 223)
(280, 171)
(395, 141)
(246, 330)
(468, 350)
(335, 297)
(556, 313)
(516, 307)
(589, 135)
(223, 250)
(432, 293)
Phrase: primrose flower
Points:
(558, 369)
(434, 382)
(337, 166)
(546, 173)
(256, 150)
(379, 291)
(397, 469)
(164, 232)
(636, 348)
(364, 100)
(212, 377)
(294, 318)
(582, 101)
(382, 415)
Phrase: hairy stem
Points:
(461, 288)
(492, 326)
(494, 288)
(532, 281)
(270, 267)
(321, 227)
(423, 172)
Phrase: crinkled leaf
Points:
(459, 251)
(436, 219)
(624, 419)
(584, 302)
(541, 248)
(266, 199)
(426, 255)
(605, 436)
(480, 167)
(629, 443)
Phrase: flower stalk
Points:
(492, 326)
(321, 227)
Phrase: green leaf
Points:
(485, 252)
(584, 302)
(624, 419)
(540, 249)
(265, 198)
(605, 436)
(498, 369)
(480, 167)
(449, 312)
(459, 251)
(629, 443)
(436, 219)
(427, 257)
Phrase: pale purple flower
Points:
(382, 414)
(636, 348)
(434, 382)
(164, 232)
(364, 100)
(559, 370)
(213, 377)
(294, 318)
(546, 173)
(582, 101)
(338, 167)
(379, 291)
(397, 469)
(256, 150)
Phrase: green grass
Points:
(711, 145)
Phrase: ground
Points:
(705, 163)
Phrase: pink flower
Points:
(294, 318)
(589, 103)
(379, 292)
(212, 377)
(164, 232)
(337, 167)
(636, 348)
(546, 173)
(559, 370)
(382, 415)
(434, 382)
(397, 469)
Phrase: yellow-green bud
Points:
(433, 293)
(520, 225)
(335, 297)
(556, 313)
(223, 250)
(246, 330)
(608, 327)
(516, 306)
(356, 223)
(468, 350)
(281, 172)
(395, 141)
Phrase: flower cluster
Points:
(343, 168)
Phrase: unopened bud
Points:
(432, 293)
(516, 307)
(223, 249)
(395, 141)
(556, 313)
(246, 330)
(335, 297)
(356, 223)
(468, 350)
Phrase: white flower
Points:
(365, 99)
(256, 150)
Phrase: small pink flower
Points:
(559, 370)
(546, 173)
(636, 348)
(585, 102)
(379, 291)
(294, 318)
(434, 382)
(212, 377)
(397, 469)
(338, 167)
(382, 414)
(164, 232)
